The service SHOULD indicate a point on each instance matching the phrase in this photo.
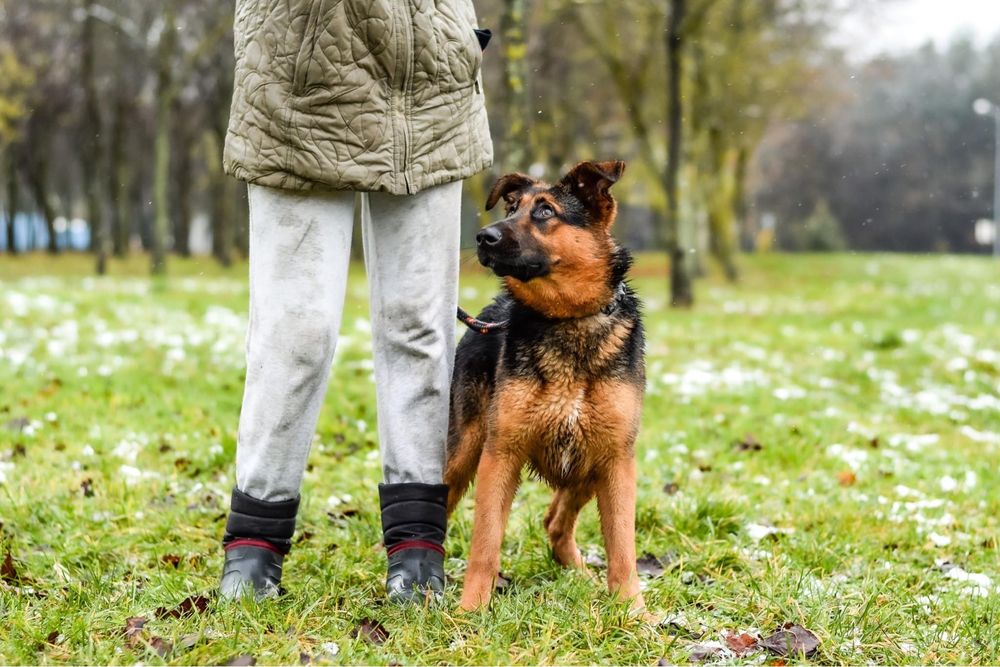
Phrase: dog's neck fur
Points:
(587, 297)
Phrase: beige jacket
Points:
(371, 95)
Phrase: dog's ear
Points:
(507, 184)
(590, 181)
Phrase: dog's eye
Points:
(543, 212)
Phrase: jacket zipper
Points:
(405, 91)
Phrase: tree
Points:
(15, 81)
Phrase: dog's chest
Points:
(561, 424)
(565, 401)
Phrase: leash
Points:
(479, 326)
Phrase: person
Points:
(381, 97)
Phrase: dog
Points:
(559, 388)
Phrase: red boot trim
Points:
(250, 542)
(415, 544)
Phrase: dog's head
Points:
(554, 249)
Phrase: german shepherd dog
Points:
(560, 388)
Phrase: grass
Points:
(868, 514)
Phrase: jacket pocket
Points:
(461, 56)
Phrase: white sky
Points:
(901, 25)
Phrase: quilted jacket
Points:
(371, 95)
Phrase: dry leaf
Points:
(650, 565)
(8, 572)
(791, 639)
(371, 630)
(18, 424)
(191, 604)
(161, 646)
(502, 583)
(133, 630)
(748, 444)
(846, 478)
(242, 661)
(741, 644)
(705, 652)
(171, 559)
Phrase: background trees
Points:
(740, 123)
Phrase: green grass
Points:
(871, 383)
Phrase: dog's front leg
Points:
(496, 481)
(616, 504)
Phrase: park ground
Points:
(818, 447)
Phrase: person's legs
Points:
(411, 255)
(299, 254)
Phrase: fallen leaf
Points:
(8, 572)
(171, 559)
(705, 652)
(87, 487)
(846, 478)
(678, 624)
(304, 658)
(791, 639)
(161, 646)
(53, 637)
(17, 424)
(189, 641)
(650, 565)
(741, 644)
(242, 661)
(371, 630)
(670, 488)
(502, 583)
(748, 444)
(191, 604)
(593, 558)
(341, 515)
(133, 630)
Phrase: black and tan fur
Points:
(559, 391)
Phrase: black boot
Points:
(258, 535)
(413, 529)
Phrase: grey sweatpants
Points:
(299, 251)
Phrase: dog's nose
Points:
(489, 236)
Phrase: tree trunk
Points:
(222, 200)
(119, 179)
(681, 293)
(241, 218)
(38, 174)
(514, 89)
(740, 198)
(91, 143)
(12, 201)
(161, 146)
(720, 204)
(182, 176)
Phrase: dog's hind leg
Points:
(560, 524)
(616, 504)
(462, 462)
